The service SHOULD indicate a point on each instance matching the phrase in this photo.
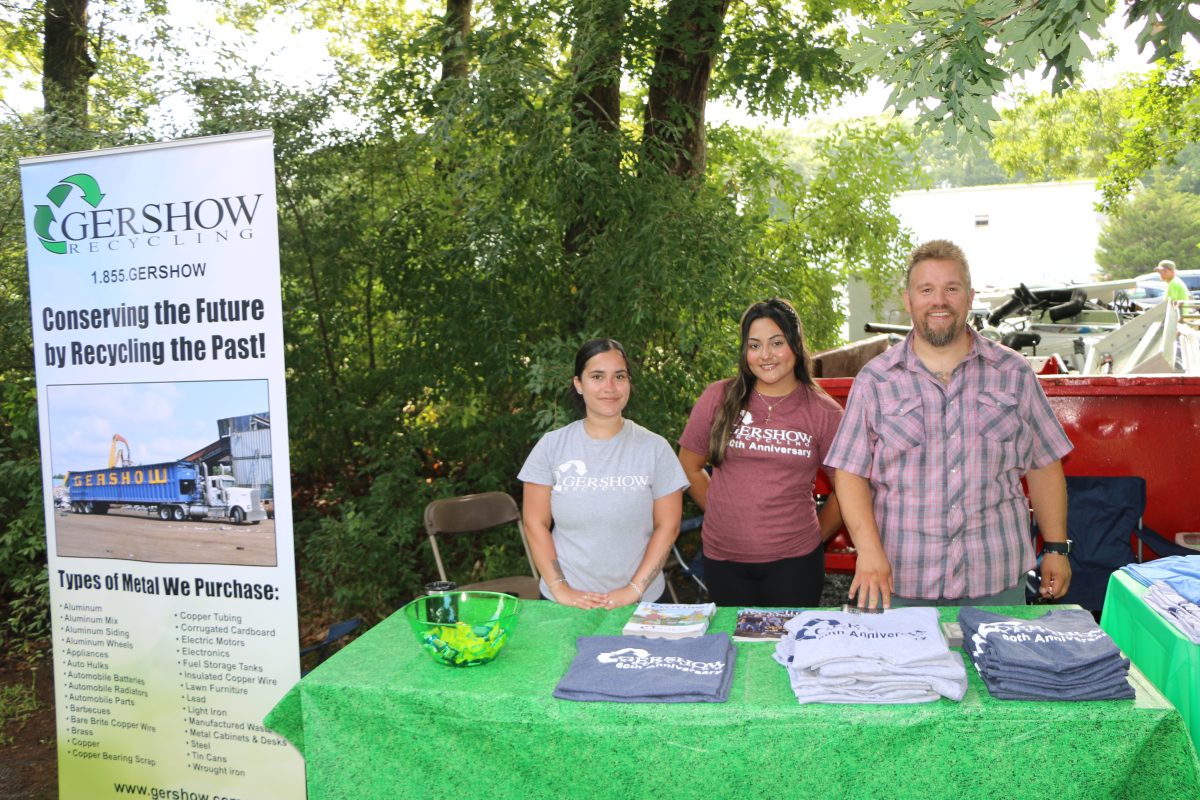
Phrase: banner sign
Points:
(158, 340)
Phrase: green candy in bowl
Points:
(463, 629)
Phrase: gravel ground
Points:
(837, 586)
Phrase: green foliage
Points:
(1164, 117)
(17, 704)
(925, 161)
(1060, 137)
(20, 40)
(1160, 222)
(949, 58)
(938, 165)
(24, 595)
(1184, 169)
(1136, 131)
(136, 57)
(781, 62)
(1164, 25)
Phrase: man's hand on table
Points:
(872, 584)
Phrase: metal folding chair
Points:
(692, 570)
(476, 514)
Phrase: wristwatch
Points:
(1062, 548)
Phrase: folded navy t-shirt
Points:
(634, 669)
(1063, 655)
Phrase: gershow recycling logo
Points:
(75, 219)
(43, 216)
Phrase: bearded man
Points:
(938, 432)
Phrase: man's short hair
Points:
(1166, 263)
(938, 250)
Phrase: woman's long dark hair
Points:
(737, 391)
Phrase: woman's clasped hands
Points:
(625, 596)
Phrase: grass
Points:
(17, 704)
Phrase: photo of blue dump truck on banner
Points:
(178, 490)
(210, 504)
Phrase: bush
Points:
(24, 590)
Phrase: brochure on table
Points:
(158, 341)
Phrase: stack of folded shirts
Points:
(1175, 608)
(1062, 655)
(1174, 590)
(633, 669)
(899, 656)
(1166, 569)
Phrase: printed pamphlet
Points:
(670, 620)
(762, 624)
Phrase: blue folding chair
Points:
(1102, 514)
(337, 631)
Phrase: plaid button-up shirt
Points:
(945, 465)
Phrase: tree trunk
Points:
(674, 126)
(596, 103)
(596, 63)
(66, 70)
(456, 29)
(456, 63)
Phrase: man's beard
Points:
(943, 337)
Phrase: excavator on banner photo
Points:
(116, 456)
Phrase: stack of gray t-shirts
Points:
(899, 656)
(1174, 608)
(1062, 655)
(634, 669)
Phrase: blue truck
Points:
(177, 490)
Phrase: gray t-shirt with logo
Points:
(602, 501)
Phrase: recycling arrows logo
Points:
(44, 214)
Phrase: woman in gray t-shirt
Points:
(603, 495)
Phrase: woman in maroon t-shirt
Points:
(765, 433)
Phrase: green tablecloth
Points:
(382, 720)
(1168, 658)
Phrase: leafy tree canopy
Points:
(948, 59)
(1164, 118)
(1060, 137)
(1159, 222)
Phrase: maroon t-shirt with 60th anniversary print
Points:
(760, 502)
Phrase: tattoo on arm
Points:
(654, 572)
(558, 573)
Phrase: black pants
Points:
(789, 582)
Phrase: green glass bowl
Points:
(463, 629)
